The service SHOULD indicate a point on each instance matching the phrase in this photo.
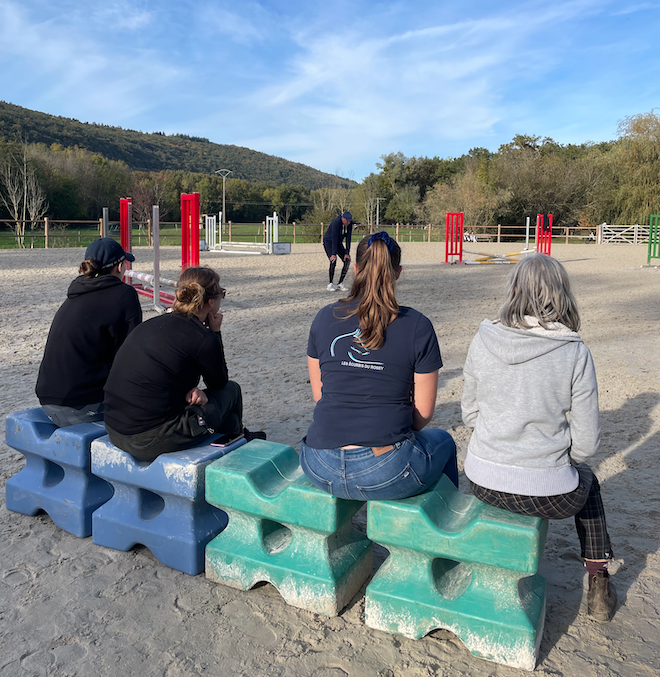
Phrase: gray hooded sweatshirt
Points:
(532, 398)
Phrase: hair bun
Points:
(190, 293)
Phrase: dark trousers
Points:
(223, 413)
(584, 503)
(327, 245)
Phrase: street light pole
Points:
(223, 173)
(378, 199)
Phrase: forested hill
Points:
(158, 152)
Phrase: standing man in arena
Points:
(339, 229)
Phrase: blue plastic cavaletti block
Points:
(458, 564)
(56, 478)
(284, 530)
(160, 504)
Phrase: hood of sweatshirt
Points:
(84, 285)
(513, 346)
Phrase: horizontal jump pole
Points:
(145, 277)
(165, 299)
(149, 291)
(486, 254)
(491, 262)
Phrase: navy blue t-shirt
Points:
(366, 396)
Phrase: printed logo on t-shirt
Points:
(356, 355)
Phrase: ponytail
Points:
(378, 260)
(91, 268)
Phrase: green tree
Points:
(635, 159)
(403, 206)
(467, 193)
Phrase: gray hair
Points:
(539, 286)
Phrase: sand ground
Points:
(69, 607)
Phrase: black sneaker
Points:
(254, 435)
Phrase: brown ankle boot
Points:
(601, 598)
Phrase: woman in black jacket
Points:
(86, 333)
(153, 404)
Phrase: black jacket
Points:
(86, 334)
(336, 232)
(160, 362)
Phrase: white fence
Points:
(631, 234)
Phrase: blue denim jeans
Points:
(411, 467)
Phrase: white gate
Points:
(631, 234)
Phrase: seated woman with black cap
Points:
(87, 331)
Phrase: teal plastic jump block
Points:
(56, 478)
(285, 531)
(160, 504)
(458, 564)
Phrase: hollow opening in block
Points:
(275, 537)
(531, 593)
(54, 474)
(451, 578)
(151, 505)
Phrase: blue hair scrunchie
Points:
(382, 235)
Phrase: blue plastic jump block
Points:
(459, 564)
(160, 505)
(56, 478)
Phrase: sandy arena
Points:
(69, 607)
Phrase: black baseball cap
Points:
(107, 252)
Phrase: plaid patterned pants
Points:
(584, 503)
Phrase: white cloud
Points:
(419, 88)
(122, 16)
(245, 23)
(73, 73)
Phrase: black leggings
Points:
(344, 270)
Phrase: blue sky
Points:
(336, 84)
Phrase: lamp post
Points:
(378, 199)
(224, 173)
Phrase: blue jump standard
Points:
(160, 504)
(56, 478)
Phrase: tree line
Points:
(157, 151)
(580, 184)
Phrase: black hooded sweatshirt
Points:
(84, 338)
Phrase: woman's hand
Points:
(214, 321)
(196, 396)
